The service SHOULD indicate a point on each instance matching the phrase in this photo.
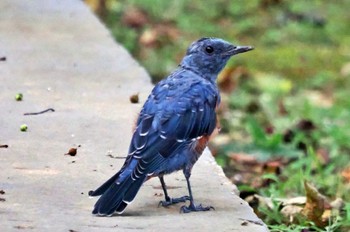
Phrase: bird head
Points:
(208, 56)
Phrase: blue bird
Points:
(173, 128)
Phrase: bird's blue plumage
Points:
(178, 112)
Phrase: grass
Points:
(299, 71)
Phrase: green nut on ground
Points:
(24, 127)
(19, 97)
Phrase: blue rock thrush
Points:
(173, 128)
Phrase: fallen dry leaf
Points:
(135, 17)
(244, 158)
(315, 205)
(346, 174)
(281, 108)
(148, 38)
(159, 35)
(291, 212)
(323, 156)
(264, 201)
(294, 201)
(337, 204)
(273, 167)
(229, 77)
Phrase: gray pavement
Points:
(60, 56)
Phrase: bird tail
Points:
(103, 188)
(116, 196)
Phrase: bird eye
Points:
(209, 49)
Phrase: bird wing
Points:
(178, 111)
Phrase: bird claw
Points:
(194, 208)
(173, 201)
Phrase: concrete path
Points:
(60, 56)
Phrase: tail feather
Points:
(118, 196)
(130, 195)
(103, 188)
(133, 189)
(121, 189)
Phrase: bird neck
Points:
(201, 73)
(207, 69)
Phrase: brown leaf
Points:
(273, 167)
(315, 205)
(323, 155)
(226, 81)
(228, 78)
(281, 108)
(149, 38)
(134, 17)
(244, 158)
(346, 174)
(159, 35)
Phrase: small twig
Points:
(41, 112)
(4, 146)
(116, 157)
(252, 221)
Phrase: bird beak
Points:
(239, 49)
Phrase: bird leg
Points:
(170, 201)
(193, 207)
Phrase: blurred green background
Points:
(286, 105)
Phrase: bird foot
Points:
(195, 208)
(173, 201)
